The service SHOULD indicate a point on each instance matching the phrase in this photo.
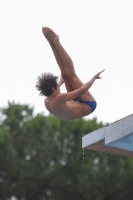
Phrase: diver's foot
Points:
(49, 34)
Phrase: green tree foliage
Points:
(41, 158)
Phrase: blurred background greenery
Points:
(41, 158)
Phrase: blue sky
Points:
(96, 34)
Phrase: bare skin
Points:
(63, 105)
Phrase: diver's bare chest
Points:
(67, 107)
(49, 106)
(52, 107)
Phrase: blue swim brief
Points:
(92, 104)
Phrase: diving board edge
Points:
(116, 138)
(93, 137)
(101, 147)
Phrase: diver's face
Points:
(57, 90)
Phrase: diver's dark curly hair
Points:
(45, 83)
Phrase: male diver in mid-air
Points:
(78, 101)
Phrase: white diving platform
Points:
(116, 138)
